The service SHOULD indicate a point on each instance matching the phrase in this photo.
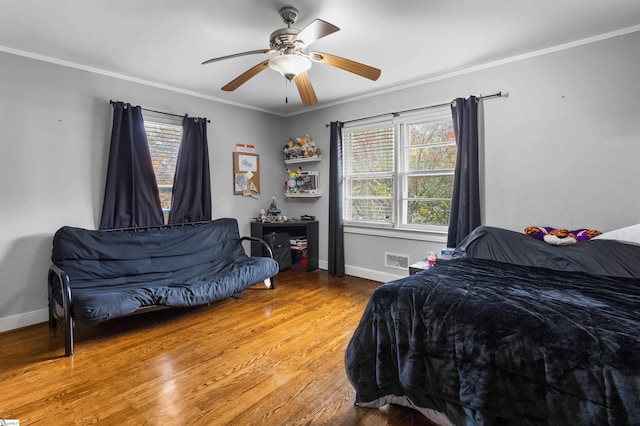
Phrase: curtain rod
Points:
(112, 102)
(396, 114)
(158, 226)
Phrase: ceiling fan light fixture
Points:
(292, 60)
(290, 65)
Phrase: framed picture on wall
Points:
(246, 173)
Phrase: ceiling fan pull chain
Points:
(286, 91)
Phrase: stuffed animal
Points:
(292, 181)
(302, 147)
(560, 237)
(586, 234)
(308, 146)
(287, 148)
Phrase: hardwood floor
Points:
(268, 357)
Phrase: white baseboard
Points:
(22, 320)
(371, 274)
(368, 274)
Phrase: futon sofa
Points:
(101, 275)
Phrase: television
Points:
(308, 182)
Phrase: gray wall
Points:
(561, 150)
(54, 132)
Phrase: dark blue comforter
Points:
(493, 343)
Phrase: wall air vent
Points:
(396, 261)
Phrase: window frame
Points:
(399, 223)
(403, 123)
(346, 191)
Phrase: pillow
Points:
(629, 234)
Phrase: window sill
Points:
(405, 234)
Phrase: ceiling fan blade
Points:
(346, 64)
(315, 31)
(308, 95)
(251, 52)
(245, 76)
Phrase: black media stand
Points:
(308, 228)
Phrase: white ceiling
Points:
(164, 41)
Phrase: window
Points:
(369, 175)
(400, 174)
(164, 139)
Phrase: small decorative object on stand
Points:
(274, 212)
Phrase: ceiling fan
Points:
(293, 60)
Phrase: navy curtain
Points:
(131, 196)
(336, 223)
(191, 199)
(465, 204)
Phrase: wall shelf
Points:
(303, 160)
(304, 195)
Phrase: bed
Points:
(511, 331)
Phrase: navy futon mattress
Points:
(114, 273)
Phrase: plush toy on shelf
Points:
(292, 181)
(302, 147)
(308, 147)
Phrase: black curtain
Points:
(131, 194)
(336, 223)
(191, 199)
(465, 205)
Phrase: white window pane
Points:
(369, 151)
(371, 187)
(431, 132)
(428, 212)
(434, 186)
(430, 159)
(437, 157)
(378, 210)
